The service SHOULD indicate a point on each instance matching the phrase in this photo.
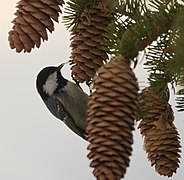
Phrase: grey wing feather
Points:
(70, 123)
(70, 109)
(75, 102)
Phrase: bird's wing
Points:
(70, 123)
(56, 107)
(75, 101)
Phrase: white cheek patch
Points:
(51, 84)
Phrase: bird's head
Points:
(50, 81)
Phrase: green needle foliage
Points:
(121, 29)
(158, 29)
(73, 10)
(155, 27)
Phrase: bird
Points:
(65, 99)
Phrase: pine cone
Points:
(110, 121)
(33, 19)
(161, 139)
(88, 52)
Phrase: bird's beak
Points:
(61, 65)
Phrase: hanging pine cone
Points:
(33, 19)
(110, 122)
(88, 52)
(161, 138)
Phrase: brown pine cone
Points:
(110, 122)
(161, 138)
(33, 19)
(88, 51)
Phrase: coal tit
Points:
(64, 99)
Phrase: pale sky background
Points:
(34, 145)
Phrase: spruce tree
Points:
(106, 38)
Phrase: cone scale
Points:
(110, 121)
